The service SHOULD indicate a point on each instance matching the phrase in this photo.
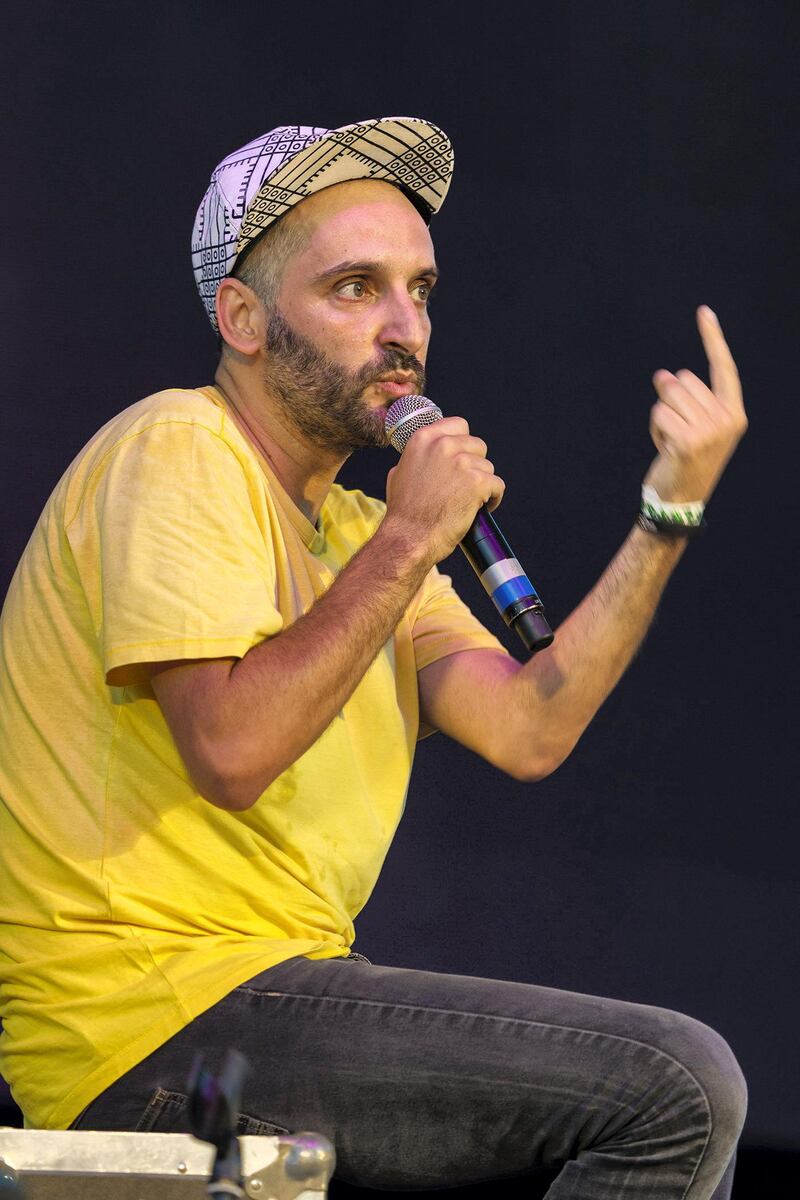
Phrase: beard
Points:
(320, 399)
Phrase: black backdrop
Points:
(615, 167)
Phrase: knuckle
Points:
(736, 425)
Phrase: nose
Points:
(404, 324)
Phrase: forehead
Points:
(363, 218)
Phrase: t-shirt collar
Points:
(312, 535)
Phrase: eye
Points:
(424, 290)
(354, 289)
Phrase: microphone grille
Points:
(406, 416)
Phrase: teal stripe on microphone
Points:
(515, 589)
(505, 581)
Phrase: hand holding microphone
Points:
(440, 482)
(442, 479)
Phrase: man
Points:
(216, 662)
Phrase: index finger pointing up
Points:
(724, 376)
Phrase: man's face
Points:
(352, 310)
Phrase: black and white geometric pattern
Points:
(258, 183)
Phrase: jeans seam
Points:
(617, 1037)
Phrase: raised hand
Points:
(696, 428)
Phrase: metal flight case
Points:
(84, 1165)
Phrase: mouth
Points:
(396, 384)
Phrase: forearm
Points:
(557, 692)
(284, 693)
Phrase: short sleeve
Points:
(172, 544)
(441, 623)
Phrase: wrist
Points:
(658, 548)
(669, 518)
(403, 545)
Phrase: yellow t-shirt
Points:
(129, 903)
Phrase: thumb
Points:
(389, 479)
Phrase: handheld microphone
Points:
(488, 552)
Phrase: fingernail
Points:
(709, 312)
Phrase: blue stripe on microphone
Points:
(513, 589)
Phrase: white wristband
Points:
(688, 513)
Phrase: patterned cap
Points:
(254, 186)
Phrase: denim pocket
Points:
(166, 1113)
(246, 1124)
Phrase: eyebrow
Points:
(365, 268)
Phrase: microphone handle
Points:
(505, 582)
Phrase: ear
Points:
(240, 316)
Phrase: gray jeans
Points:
(424, 1080)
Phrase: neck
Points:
(305, 472)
